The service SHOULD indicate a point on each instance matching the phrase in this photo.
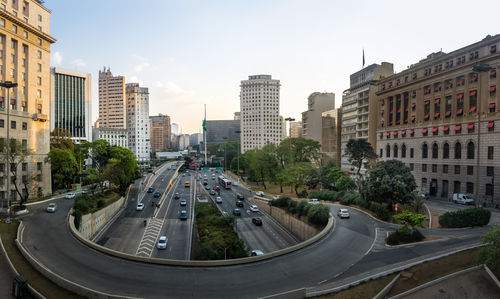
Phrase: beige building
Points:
(330, 137)
(439, 117)
(317, 103)
(359, 107)
(160, 132)
(138, 121)
(25, 59)
(112, 101)
(295, 130)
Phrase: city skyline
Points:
(190, 56)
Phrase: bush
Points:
(380, 210)
(318, 215)
(280, 202)
(465, 218)
(78, 218)
(403, 236)
(101, 203)
(303, 194)
(325, 195)
(350, 198)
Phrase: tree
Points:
(390, 181)
(63, 167)
(345, 183)
(359, 152)
(298, 174)
(61, 138)
(490, 253)
(292, 150)
(122, 167)
(410, 220)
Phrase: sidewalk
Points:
(6, 278)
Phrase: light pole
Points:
(8, 85)
(225, 146)
(290, 119)
(80, 150)
(479, 68)
(239, 149)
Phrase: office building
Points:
(71, 103)
(195, 139)
(25, 59)
(317, 103)
(330, 137)
(138, 121)
(112, 100)
(183, 141)
(115, 137)
(440, 118)
(295, 130)
(160, 132)
(359, 108)
(237, 115)
(260, 112)
(220, 131)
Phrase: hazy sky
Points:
(191, 53)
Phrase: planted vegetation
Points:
(85, 204)
(317, 214)
(465, 218)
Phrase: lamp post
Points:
(479, 68)
(290, 119)
(8, 85)
(225, 146)
(239, 149)
(80, 150)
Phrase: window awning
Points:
(458, 127)
(426, 116)
(413, 117)
(493, 88)
(399, 110)
(406, 109)
(412, 132)
(473, 93)
(460, 96)
(436, 114)
(391, 111)
(448, 113)
(403, 132)
(472, 109)
(460, 82)
(381, 134)
(437, 100)
(434, 130)
(491, 106)
(491, 124)
(493, 73)
(448, 85)
(473, 78)
(446, 128)
(470, 126)
(395, 133)
(387, 134)
(424, 131)
(460, 111)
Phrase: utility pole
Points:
(290, 119)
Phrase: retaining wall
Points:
(92, 223)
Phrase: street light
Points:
(225, 146)
(239, 149)
(8, 85)
(290, 119)
(80, 149)
(479, 68)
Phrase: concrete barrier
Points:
(293, 294)
(92, 223)
(387, 288)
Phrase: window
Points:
(403, 151)
(470, 170)
(2, 22)
(39, 18)
(39, 166)
(25, 166)
(457, 169)
(424, 183)
(13, 124)
(39, 93)
(24, 144)
(411, 152)
(490, 152)
(473, 77)
(14, 28)
(39, 42)
(388, 151)
(458, 150)
(39, 54)
(472, 101)
(456, 187)
(381, 153)
(39, 81)
(434, 151)
(470, 150)
(425, 150)
(424, 167)
(489, 170)
(412, 166)
(470, 188)
(447, 112)
(446, 151)
(445, 168)
(434, 168)
(489, 189)
(395, 153)
(2, 123)
(25, 34)
(39, 67)
(25, 126)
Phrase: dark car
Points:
(177, 196)
(257, 221)
(240, 197)
(239, 203)
(237, 212)
(212, 192)
(157, 194)
(205, 183)
(150, 190)
(183, 215)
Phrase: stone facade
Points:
(317, 103)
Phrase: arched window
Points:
(387, 151)
(425, 151)
(446, 151)
(395, 153)
(403, 151)
(458, 151)
(434, 151)
(470, 150)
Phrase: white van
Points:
(464, 199)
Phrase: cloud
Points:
(172, 91)
(79, 62)
(134, 79)
(56, 59)
(140, 67)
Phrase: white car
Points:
(257, 252)
(162, 242)
(254, 208)
(70, 196)
(218, 199)
(464, 199)
(259, 193)
(235, 183)
(140, 207)
(343, 213)
(51, 208)
(314, 201)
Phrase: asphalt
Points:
(6, 278)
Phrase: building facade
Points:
(439, 117)
(112, 101)
(183, 141)
(138, 121)
(195, 139)
(71, 103)
(295, 130)
(330, 137)
(260, 112)
(237, 116)
(115, 137)
(217, 130)
(359, 107)
(317, 103)
(160, 132)
(25, 59)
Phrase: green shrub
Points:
(380, 211)
(325, 195)
(465, 218)
(403, 236)
(280, 202)
(302, 208)
(78, 218)
(318, 214)
(350, 198)
(303, 194)
(101, 203)
(292, 207)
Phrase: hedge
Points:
(354, 198)
(317, 214)
(325, 195)
(465, 218)
(404, 236)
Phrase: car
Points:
(239, 203)
(343, 213)
(237, 212)
(183, 174)
(162, 242)
(205, 183)
(240, 197)
(140, 207)
(212, 192)
(70, 196)
(150, 190)
(276, 197)
(235, 184)
(259, 193)
(217, 188)
(183, 215)
(256, 252)
(85, 191)
(51, 208)
(464, 199)
(254, 208)
(207, 187)
(157, 194)
(218, 199)
(314, 201)
(213, 178)
(177, 195)
(257, 221)
(183, 202)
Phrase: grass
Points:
(365, 290)
(39, 282)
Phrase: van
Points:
(314, 201)
(464, 199)
(187, 184)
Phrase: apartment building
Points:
(71, 103)
(439, 117)
(359, 108)
(260, 108)
(220, 131)
(112, 100)
(295, 130)
(25, 60)
(115, 137)
(330, 135)
(160, 132)
(317, 103)
(138, 121)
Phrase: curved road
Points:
(49, 240)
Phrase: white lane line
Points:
(374, 240)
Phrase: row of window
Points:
(435, 130)
(470, 151)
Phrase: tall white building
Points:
(260, 112)
(174, 129)
(138, 121)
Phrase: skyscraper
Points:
(260, 112)
(112, 101)
(160, 132)
(138, 121)
(317, 103)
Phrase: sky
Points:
(190, 53)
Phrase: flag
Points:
(363, 57)
(204, 125)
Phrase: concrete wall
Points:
(299, 228)
(92, 223)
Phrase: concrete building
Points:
(25, 59)
(237, 115)
(115, 137)
(317, 103)
(260, 112)
(112, 101)
(160, 132)
(330, 137)
(71, 103)
(195, 139)
(295, 130)
(183, 141)
(174, 129)
(217, 130)
(439, 117)
(359, 108)
(138, 121)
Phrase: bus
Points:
(225, 183)
(187, 184)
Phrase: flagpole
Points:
(205, 134)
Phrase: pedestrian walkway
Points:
(148, 240)
(6, 278)
(379, 243)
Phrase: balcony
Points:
(40, 117)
